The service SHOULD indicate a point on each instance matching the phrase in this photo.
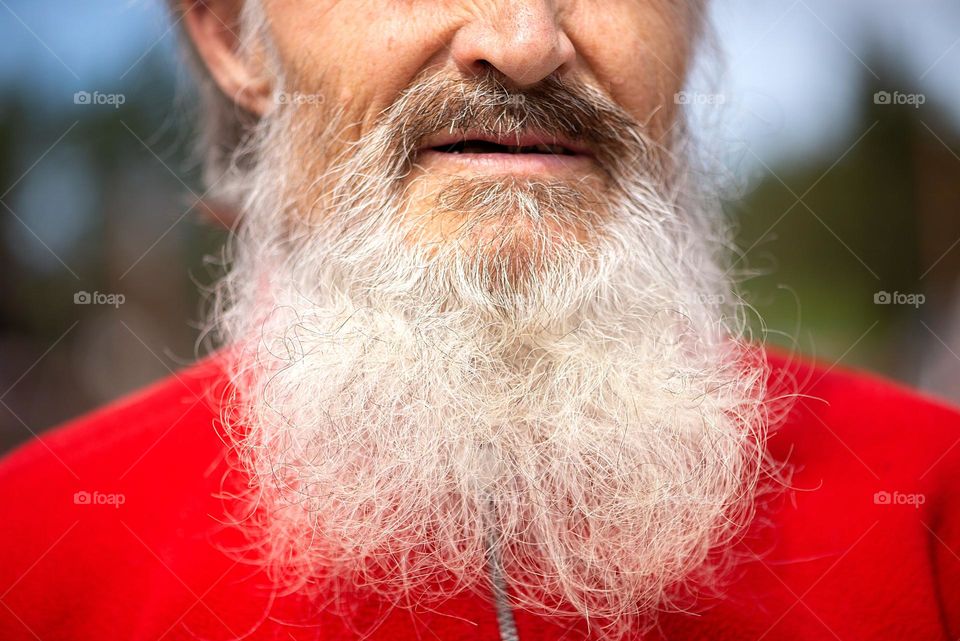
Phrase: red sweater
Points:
(866, 547)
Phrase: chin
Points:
(512, 222)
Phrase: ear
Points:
(214, 28)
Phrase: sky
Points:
(795, 67)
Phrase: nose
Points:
(522, 39)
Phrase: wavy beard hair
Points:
(584, 407)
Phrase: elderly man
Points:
(484, 373)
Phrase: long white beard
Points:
(394, 407)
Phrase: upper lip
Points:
(518, 139)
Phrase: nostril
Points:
(484, 66)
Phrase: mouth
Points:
(527, 153)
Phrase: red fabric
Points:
(834, 562)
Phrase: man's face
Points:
(360, 56)
(475, 297)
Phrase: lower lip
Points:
(517, 164)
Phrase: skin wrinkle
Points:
(411, 345)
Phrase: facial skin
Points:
(360, 55)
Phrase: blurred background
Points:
(841, 132)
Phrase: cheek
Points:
(360, 54)
(639, 53)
